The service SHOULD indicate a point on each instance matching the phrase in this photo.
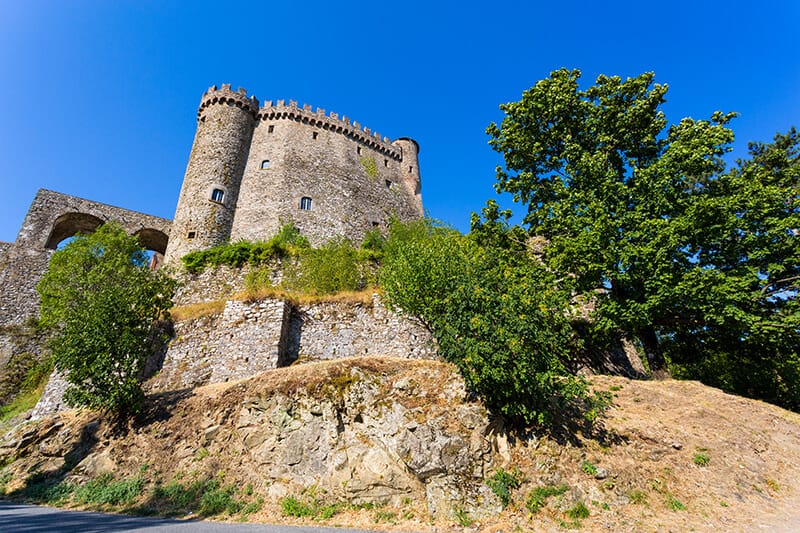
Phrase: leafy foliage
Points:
(287, 242)
(502, 483)
(493, 309)
(102, 303)
(539, 496)
(699, 263)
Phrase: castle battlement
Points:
(272, 110)
(225, 95)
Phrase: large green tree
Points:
(647, 219)
(102, 302)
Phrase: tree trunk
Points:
(652, 350)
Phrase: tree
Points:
(102, 302)
(493, 311)
(646, 218)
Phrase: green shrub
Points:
(502, 483)
(578, 511)
(495, 311)
(701, 459)
(287, 242)
(329, 269)
(538, 496)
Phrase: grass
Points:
(310, 504)
(188, 312)
(105, 490)
(701, 459)
(674, 504)
(578, 511)
(462, 517)
(24, 401)
(637, 496)
(538, 496)
(588, 468)
(363, 297)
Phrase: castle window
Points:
(386, 162)
(305, 203)
(265, 164)
(191, 235)
(410, 169)
(375, 224)
(388, 184)
(358, 150)
(217, 195)
(270, 129)
(314, 135)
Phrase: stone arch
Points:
(70, 224)
(153, 239)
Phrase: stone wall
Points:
(250, 337)
(336, 330)
(247, 338)
(244, 340)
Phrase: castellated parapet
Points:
(254, 167)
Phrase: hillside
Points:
(392, 444)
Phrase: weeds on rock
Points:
(502, 483)
(539, 496)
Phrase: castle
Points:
(252, 168)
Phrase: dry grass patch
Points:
(347, 297)
(187, 312)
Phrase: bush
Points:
(496, 313)
(102, 303)
(502, 483)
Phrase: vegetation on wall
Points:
(286, 243)
(699, 263)
(102, 302)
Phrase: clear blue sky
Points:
(99, 97)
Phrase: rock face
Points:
(377, 430)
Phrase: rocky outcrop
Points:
(367, 430)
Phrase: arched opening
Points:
(69, 225)
(155, 242)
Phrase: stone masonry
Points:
(254, 168)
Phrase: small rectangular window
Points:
(305, 203)
(265, 164)
(217, 195)
(388, 184)
(358, 150)
(314, 135)
(270, 129)
(191, 235)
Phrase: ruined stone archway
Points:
(71, 224)
(153, 239)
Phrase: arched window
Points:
(265, 164)
(305, 203)
(217, 195)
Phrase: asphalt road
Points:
(16, 518)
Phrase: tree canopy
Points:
(102, 302)
(696, 261)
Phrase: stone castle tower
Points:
(254, 167)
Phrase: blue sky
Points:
(99, 97)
